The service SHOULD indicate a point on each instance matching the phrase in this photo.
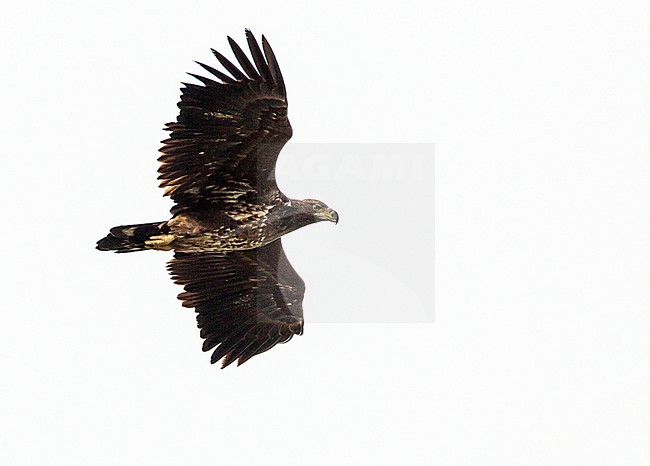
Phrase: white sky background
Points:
(539, 353)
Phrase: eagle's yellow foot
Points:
(160, 242)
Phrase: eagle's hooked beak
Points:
(330, 215)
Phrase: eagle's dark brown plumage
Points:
(252, 303)
(218, 166)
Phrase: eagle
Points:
(218, 166)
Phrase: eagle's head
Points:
(311, 211)
(319, 210)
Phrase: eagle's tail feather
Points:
(131, 238)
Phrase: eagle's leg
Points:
(160, 242)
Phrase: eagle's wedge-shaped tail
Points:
(131, 238)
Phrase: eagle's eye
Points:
(317, 207)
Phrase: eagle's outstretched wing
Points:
(227, 137)
(246, 301)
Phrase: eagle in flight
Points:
(218, 166)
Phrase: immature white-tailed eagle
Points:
(219, 168)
